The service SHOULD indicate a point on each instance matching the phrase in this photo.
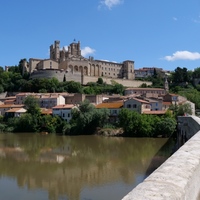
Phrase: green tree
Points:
(25, 123)
(1, 70)
(100, 81)
(129, 121)
(165, 127)
(181, 75)
(87, 118)
(196, 73)
(118, 89)
(1, 89)
(184, 109)
(32, 105)
(47, 123)
(74, 87)
(64, 78)
(146, 126)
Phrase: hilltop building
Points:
(69, 63)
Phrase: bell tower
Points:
(166, 84)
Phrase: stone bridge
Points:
(178, 178)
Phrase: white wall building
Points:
(64, 111)
(49, 101)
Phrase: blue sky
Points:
(153, 33)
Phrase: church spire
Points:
(166, 85)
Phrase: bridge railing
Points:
(178, 178)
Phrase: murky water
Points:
(72, 168)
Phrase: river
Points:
(53, 167)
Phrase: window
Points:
(134, 106)
(114, 111)
(63, 115)
(129, 106)
(68, 114)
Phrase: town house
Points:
(64, 111)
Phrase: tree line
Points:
(86, 119)
(14, 80)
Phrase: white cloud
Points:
(110, 3)
(197, 20)
(87, 51)
(183, 55)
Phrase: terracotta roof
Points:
(145, 89)
(24, 94)
(9, 101)
(139, 100)
(46, 111)
(17, 106)
(110, 105)
(63, 106)
(22, 110)
(155, 112)
(5, 106)
(11, 97)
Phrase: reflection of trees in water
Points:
(161, 156)
(89, 161)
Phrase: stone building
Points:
(71, 63)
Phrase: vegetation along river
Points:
(53, 167)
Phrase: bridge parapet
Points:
(178, 177)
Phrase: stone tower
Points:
(74, 49)
(55, 51)
(166, 84)
(128, 69)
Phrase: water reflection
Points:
(79, 167)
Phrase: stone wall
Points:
(76, 76)
(125, 82)
(177, 178)
(59, 74)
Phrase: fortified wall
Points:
(178, 177)
(83, 79)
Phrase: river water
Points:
(53, 167)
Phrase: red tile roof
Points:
(64, 106)
(46, 111)
(110, 105)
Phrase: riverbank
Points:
(111, 132)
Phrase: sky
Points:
(152, 33)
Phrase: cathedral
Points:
(71, 61)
